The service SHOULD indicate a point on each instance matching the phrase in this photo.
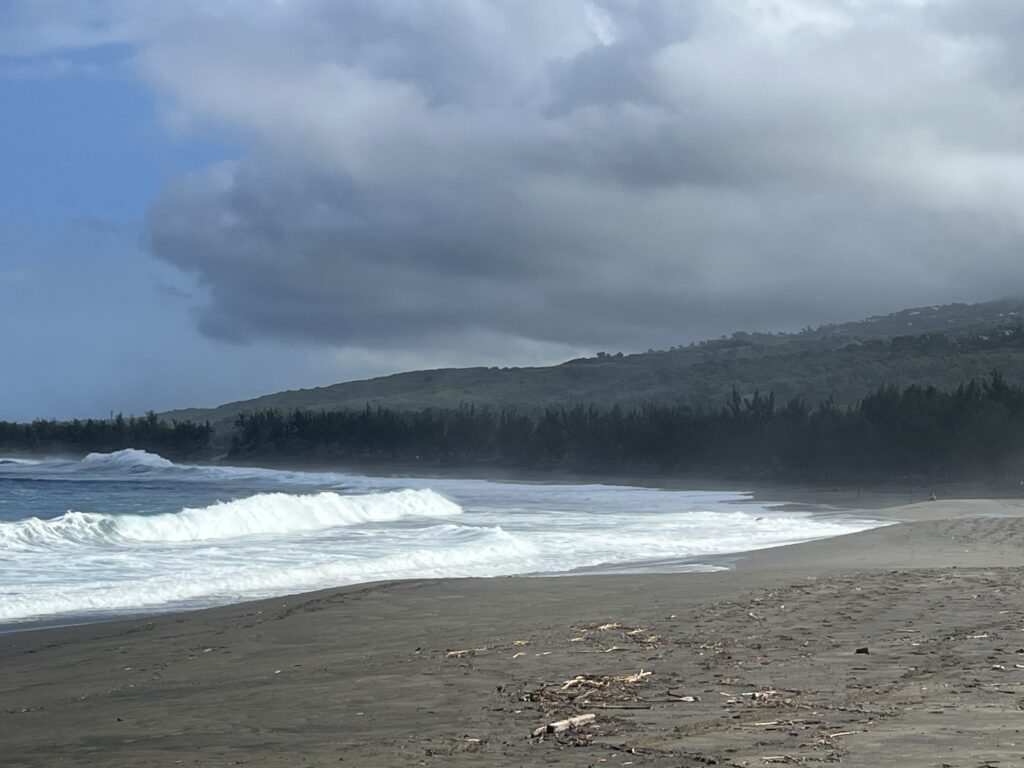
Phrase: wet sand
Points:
(755, 666)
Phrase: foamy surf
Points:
(130, 459)
(263, 514)
(249, 533)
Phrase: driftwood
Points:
(564, 725)
(673, 696)
(465, 652)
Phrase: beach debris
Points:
(771, 724)
(638, 677)
(684, 698)
(768, 697)
(604, 681)
(581, 680)
(588, 691)
(640, 635)
(863, 650)
(560, 726)
(464, 652)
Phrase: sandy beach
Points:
(903, 645)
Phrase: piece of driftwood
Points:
(564, 725)
(787, 723)
(673, 696)
(465, 652)
(639, 677)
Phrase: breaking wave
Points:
(139, 465)
(130, 459)
(145, 533)
(262, 514)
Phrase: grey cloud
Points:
(601, 76)
(994, 27)
(618, 174)
(989, 18)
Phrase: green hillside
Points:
(942, 345)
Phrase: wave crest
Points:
(262, 514)
(131, 459)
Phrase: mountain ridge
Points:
(938, 344)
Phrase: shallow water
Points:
(131, 532)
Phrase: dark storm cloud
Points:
(620, 174)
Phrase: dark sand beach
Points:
(755, 666)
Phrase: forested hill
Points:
(942, 346)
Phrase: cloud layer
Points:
(605, 174)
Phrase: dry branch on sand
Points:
(588, 690)
(563, 725)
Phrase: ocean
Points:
(128, 533)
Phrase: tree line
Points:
(150, 433)
(975, 430)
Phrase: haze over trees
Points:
(975, 430)
(176, 439)
(861, 401)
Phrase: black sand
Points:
(459, 672)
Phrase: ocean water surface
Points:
(130, 532)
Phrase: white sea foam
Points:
(134, 464)
(129, 458)
(337, 529)
(262, 514)
(491, 552)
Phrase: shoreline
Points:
(459, 671)
(843, 494)
(709, 562)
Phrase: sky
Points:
(207, 200)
